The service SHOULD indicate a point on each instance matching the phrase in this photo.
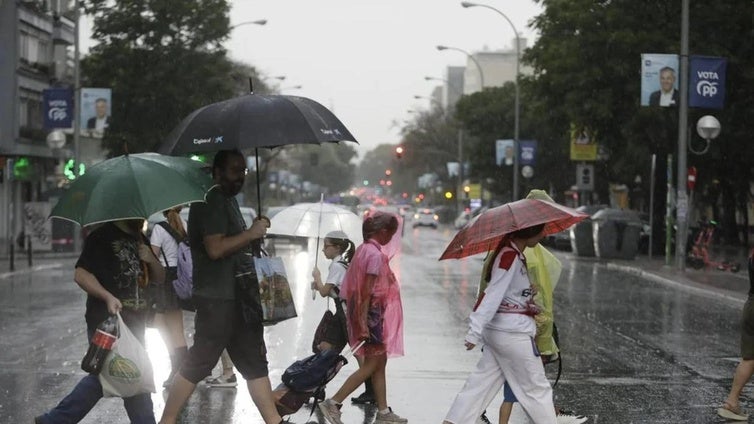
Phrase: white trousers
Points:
(506, 357)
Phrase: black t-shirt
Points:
(111, 255)
(219, 214)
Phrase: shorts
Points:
(218, 326)
(747, 330)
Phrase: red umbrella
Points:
(485, 231)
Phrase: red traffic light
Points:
(399, 152)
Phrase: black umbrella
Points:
(254, 121)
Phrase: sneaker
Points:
(222, 381)
(330, 410)
(571, 419)
(483, 419)
(364, 399)
(389, 417)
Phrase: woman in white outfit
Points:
(503, 321)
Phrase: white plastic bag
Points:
(127, 371)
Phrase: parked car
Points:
(425, 217)
(466, 216)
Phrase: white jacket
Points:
(508, 302)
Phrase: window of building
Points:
(34, 46)
(30, 109)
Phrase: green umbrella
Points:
(132, 186)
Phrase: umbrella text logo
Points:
(215, 140)
(327, 131)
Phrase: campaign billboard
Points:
(707, 82)
(58, 107)
(504, 152)
(659, 80)
(95, 111)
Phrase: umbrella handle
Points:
(259, 191)
(316, 259)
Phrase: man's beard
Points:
(231, 188)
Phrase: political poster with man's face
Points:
(95, 110)
(659, 79)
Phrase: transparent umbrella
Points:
(316, 220)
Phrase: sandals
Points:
(729, 412)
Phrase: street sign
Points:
(585, 177)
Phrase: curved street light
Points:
(257, 22)
(431, 100)
(468, 4)
(471, 57)
(292, 87)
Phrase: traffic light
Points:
(70, 171)
(399, 152)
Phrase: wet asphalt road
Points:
(634, 351)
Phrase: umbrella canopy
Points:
(254, 121)
(485, 231)
(132, 186)
(303, 220)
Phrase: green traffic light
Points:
(70, 169)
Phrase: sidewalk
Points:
(39, 261)
(725, 284)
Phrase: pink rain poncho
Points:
(374, 311)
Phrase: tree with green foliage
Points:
(586, 65)
(162, 60)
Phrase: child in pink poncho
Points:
(374, 314)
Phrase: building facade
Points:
(496, 67)
(36, 41)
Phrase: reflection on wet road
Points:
(633, 351)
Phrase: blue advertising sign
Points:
(528, 152)
(58, 107)
(707, 82)
(659, 80)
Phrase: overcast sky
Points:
(366, 59)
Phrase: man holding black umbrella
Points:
(218, 239)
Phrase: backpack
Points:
(314, 371)
(184, 283)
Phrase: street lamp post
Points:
(471, 57)
(431, 100)
(292, 87)
(467, 4)
(257, 22)
(683, 116)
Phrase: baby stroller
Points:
(307, 377)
